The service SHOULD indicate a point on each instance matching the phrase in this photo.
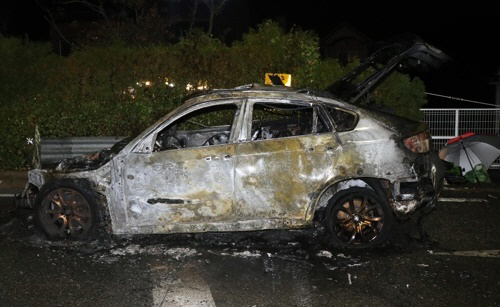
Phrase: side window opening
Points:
(342, 119)
(204, 127)
(274, 120)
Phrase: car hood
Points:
(91, 161)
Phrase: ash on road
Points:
(461, 266)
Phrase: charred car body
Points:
(253, 158)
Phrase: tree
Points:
(214, 8)
(137, 22)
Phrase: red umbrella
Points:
(470, 149)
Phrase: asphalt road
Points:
(460, 266)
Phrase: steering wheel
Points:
(171, 142)
(216, 137)
(283, 134)
(257, 134)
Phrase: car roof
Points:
(254, 90)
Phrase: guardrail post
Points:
(457, 116)
(497, 121)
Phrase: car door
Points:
(186, 183)
(286, 158)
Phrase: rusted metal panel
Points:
(200, 179)
(274, 178)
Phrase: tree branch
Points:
(195, 9)
(96, 8)
(51, 20)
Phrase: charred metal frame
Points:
(262, 195)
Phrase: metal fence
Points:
(445, 124)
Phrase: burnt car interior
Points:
(204, 127)
(212, 125)
(343, 120)
(271, 121)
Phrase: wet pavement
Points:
(460, 265)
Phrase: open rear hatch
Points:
(404, 53)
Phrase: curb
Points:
(13, 174)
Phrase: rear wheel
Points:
(66, 210)
(358, 217)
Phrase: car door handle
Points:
(322, 148)
(215, 158)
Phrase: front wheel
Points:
(66, 210)
(358, 218)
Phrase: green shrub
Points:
(117, 89)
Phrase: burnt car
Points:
(254, 158)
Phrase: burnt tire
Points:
(358, 218)
(66, 210)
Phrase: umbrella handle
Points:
(470, 162)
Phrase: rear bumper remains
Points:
(423, 193)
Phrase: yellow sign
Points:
(278, 79)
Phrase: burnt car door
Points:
(286, 157)
(186, 183)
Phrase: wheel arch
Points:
(358, 217)
(104, 223)
(103, 217)
(317, 209)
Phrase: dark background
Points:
(470, 35)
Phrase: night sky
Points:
(469, 36)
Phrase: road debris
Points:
(324, 253)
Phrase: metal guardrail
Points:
(53, 150)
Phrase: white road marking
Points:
(180, 286)
(455, 189)
(463, 200)
(493, 253)
(7, 195)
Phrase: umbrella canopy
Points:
(470, 149)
